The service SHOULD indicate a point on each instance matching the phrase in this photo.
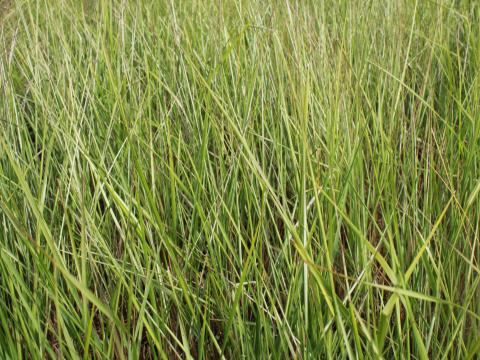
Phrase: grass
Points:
(258, 179)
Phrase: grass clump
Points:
(235, 179)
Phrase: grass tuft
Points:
(258, 179)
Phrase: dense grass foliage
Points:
(258, 179)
